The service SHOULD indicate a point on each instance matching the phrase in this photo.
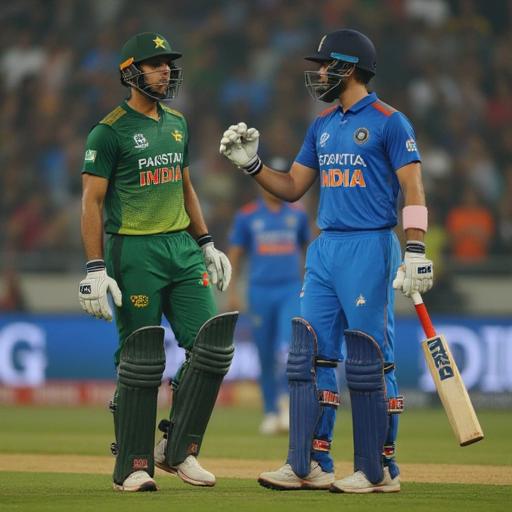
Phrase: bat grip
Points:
(423, 315)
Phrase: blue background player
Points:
(363, 152)
(272, 235)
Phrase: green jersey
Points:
(143, 159)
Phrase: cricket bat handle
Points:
(423, 315)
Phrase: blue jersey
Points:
(272, 241)
(357, 154)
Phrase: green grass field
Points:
(425, 438)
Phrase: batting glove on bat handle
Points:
(416, 273)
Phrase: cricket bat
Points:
(449, 384)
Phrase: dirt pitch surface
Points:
(243, 468)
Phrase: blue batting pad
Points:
(365, 378)
(304, 404)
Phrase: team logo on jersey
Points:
(178, 136)
(140, 301)
(360, 301)
(90, 155)
(410, 145)
(361, 135)
(140, 141)
(323, 139)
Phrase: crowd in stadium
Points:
(445, 64)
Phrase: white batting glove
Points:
(217, 263)
(239, 144)
(94, 288)
(416, 274)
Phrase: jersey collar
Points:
(363, 102)
(143, 116)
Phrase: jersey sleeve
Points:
(239, 234)
(307, 155)
(100, 152)
(400, 141)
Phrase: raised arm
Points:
(239, 144)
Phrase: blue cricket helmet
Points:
(347, 45)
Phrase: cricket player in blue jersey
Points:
(273, 235)
(363, 152)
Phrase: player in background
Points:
(273, 236)
(157, 257)
(363, 152)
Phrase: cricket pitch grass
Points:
(57, 459)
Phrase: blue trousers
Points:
(272, 308)
(348, 285)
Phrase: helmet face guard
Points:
(328, 85)
(132, 76)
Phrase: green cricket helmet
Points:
(143, 47)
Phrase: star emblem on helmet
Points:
(159, 42)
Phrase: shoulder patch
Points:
(114, 116)
(384, 108)
(327, 111)
(249, 208)
(171, 111)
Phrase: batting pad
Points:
(305, 409)
(141, 365)
(196, 393)
(364, 369)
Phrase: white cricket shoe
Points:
(139, 481)
(359, 484)
(285, 479)
(270, 424)
(190, 471)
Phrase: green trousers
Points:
(160, 274)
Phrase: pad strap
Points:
(321, 445)
(396, 405)
(329, 398)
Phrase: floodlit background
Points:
(445, 64)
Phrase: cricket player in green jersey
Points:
(158, 259)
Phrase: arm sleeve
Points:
(400, 141)
(239, 234)
(307, 155)
(101, 151)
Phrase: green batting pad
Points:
(195, 396)
(142, 362)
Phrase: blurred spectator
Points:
(444, 63)
(471, 226)
(11, 293)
